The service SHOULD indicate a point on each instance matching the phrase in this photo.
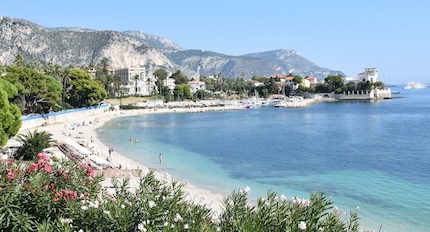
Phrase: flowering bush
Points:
(44, 195)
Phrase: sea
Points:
(370, 156)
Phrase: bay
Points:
(368, 154)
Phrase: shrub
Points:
(61, 196)
(32, 143)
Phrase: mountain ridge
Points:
(132, 48)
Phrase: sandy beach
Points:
(64, 131)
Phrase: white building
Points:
(170, 83)
(196, 86)
(369, 74)
(136, 81)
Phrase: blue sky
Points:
(393, 36)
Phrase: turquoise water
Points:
(372, 155)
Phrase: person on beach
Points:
(161, 158)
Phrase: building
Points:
(196, 86)
(135, 80)
(369, 74)
(170, 83)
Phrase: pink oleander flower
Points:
(33, 167)
(44, 157)
(50, 186)
(48, 168)
(65, 194)
(88, 170)
(10, 174)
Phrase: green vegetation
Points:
(43, 195)
(51, 87)
(86, 92)
(10, 115)
(32, 143)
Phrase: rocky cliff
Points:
(83, 47)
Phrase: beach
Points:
(84, 128)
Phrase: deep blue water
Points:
(373, 155)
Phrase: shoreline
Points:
(62, 131)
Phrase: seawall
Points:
(65, 116)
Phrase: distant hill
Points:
(82, 46)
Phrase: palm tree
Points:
(160, 75)
(117, 82)
(32, 144)
(148, 83)
(136, 78)
(65, 81)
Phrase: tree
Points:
(53, 97)
(102, 72)
(85, 90)
(351, 86)
(179, 77)
(34, 89)
(273, 88)
(19, 61)
(10, 115)
(202, 94)
(148, 83)
(32, 144)
(64, 77)
(161, 75)
(182, 92)
(336, 82)
(136, 79)
(379, 85)
(297, 80)
(364, 85)
(323, 88)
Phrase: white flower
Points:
(282, 197)
(106, 212)
(94, 205)
(302, 225)
(166, 224)
(305, 203)
(84, 207)
(151, 204)
(247, 189)
(178, 218)
(186, 226)
(66, 220)
(140, 227)
(122, 206)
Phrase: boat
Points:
(395, 92)
(415, 85)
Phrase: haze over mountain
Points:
(83, 47)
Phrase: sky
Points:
(393, 36)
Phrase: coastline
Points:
(64, 131)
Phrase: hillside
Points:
(83, 47)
